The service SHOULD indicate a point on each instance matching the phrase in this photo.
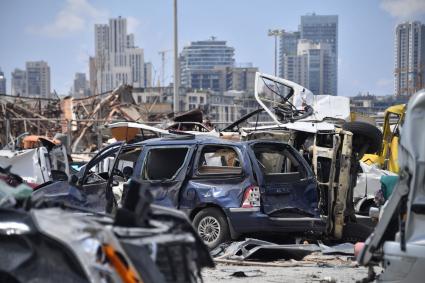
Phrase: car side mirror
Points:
(127, 171)
(74, 179)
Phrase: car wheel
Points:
(212, 227)
(364, 134)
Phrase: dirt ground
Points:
(311, 269)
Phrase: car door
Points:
(287, 185)
(163, 169)
(93, 178)
(220, 176)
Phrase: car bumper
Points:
(252, 220)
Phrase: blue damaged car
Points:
(226, 188)
(231, 188)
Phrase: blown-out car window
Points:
(219, 160)
(164, 163)
(128, 157)
(277, 159)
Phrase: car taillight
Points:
(251, 197)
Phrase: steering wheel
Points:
(288, 112)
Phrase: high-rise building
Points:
(101, 61)
(2, 83)
(101, 42)
(288, 42)
(241, 78)
(136, 62)
(198, 61)
(310, 52)
(148, 74)
(118, 41)
(117, 35)
(92, 75)
(289, 67)
(130, 40)
(38, 79)
(314, 66)
(409, 72)
(323, 29)
(81, 85)
(19, 82)
(320, 29)
(117, 59)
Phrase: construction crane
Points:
(162, 53)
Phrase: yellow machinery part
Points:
(393, 156)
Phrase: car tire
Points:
(356, 232)
(211, 225)
(364, 133)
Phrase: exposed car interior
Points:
(219, 160)
(278, 164)
(164, 163)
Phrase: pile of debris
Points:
(77, 118)
(47, 241)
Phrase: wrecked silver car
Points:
(36, 159)
(398, 240)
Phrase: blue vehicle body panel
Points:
(190, 190)
(222, 190)
(285, 207)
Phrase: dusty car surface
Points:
(232, 188)
(37, 159)
(226, 188)
(45, 240)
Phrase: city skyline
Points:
(61, 33)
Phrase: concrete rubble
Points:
(79, 119)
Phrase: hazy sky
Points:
(62, 33)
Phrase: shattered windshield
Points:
(273, 93)
(284, 102)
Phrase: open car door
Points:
(163, 170)
(287, 184)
